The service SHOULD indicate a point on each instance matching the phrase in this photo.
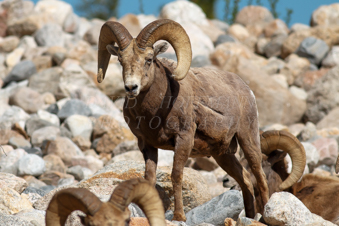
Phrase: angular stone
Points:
(45, 133)
(11, 202)
(313, 49)
(54, 163)
(276, 27)
(28, 99)
(13, 182)
(47, 81)
(79, 125)
(50, 35)
(36, 217)
(31, 164)
(19, 142)
(14, 57)
(6, 219)
(332, 58)
(9, 162)
(53, 178)
(90, 162)
(21, 71)
(331, 120)
(74, 107)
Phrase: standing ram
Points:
(194, 112)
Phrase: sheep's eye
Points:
(149, 61)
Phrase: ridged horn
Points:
(142, 193)
(175, 34)
(68, 200)
(111, 32)
(273, 140)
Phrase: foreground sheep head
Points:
(208, 113)
(114, 212)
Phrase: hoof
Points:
(179, 217)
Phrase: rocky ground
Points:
(60, 128)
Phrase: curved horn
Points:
(111, 32)
(141, 192)
(175, 34)
(68, 200)
(272, 140)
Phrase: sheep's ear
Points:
(114, 50)
(160, 48)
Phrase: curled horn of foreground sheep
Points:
(114, 212)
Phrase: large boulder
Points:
(254, 15)
(326, 15)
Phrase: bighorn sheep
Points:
(274, 164)
(208, 113)
(316, 192)
(113, 212)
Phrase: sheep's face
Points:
(138, 66)
(108, 215)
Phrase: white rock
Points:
(79, 125)
(298, 92)
(52, 118)
(58, 10)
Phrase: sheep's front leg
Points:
(183, 146)
(151, 160)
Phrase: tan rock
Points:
(230, 222)
(11, 202)
(238, 31)
(54, 163)
(330, 120)
(204, 163)
(254, 15)
(52, 177)
(276, 27)
(131, 23)
(293, 41)
(12, 181)
(307, 79)
(212, 31)
(42, 62)
(294, 67)
(14, 57)
(9, 43)
(325, 15)
(82, 143)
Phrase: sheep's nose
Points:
(131, 88)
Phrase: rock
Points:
(52, 178)
(9, 43)
(57, 10)
(321, 98)
(330, 120)
(19, 142)
(325, 15)
(313, 49)
(64, 148)
(91, 35)
(14, 57)
(31, 164)
(308, 132)
(204, 163)
(34, 190)
(42, 62)
(13, 182)
(45, 133)
(298, 92)
(14, 115)
(327, 149)
(6, 219)
(274, 65)
(81, 51)
(131, 23)
(28, 99)
(298, 27)
(83, 143)
(74, 107)
(244, 221)
(34, 123)
(239, 32)
(184, 12)
(125, 146)
(52, 118)
(35, 183)
(332, 58)
(71, 23)
(284, 110)
(227, 205)
(250, 15)
(89, 161)
(47, 81)
(222, 25)
(36, 217)
(49, 35)
(54, 163)
(307, 79)
(11, 202)
(230, 222)
(77, 172)
(223, 38)
(293, 41)
(165, 157)
(194, 188)
(79, 125)
(294, 66)
(312, 155)
(9, 161)
(276, 27)
(21, 71)
(273, 48)
(200, 61)
(136, 156)
(261, 44)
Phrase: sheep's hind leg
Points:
(233, 167)
(183, 146)
(251, 148)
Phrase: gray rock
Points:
(224, 38)
(283, 208)
(97, 110)
(34, 123)
(313, 49)
(308, 132)
(79, 125)
(34, 190)
(53, 109)
(215, 211)
(312, 155)
(21, 71)
(201, 61)
(77, 172)
(14, 220)
(49, 35)
(19, 142)
(8, 162)
(71, 23)
(221, 25)
(332, 58)
(135, 210)
(48, 188)
(274, 65)
(47, 81)
(74, 107)
(273, 48)
(125, 146)
(329, 121)
(45, 133)
(52, 118)
(67, 182)
(31, 164)
(322, 97)
(35, 151)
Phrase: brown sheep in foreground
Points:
(114, 212)
(319, 194)
(208, 113)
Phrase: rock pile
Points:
(60, 128)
